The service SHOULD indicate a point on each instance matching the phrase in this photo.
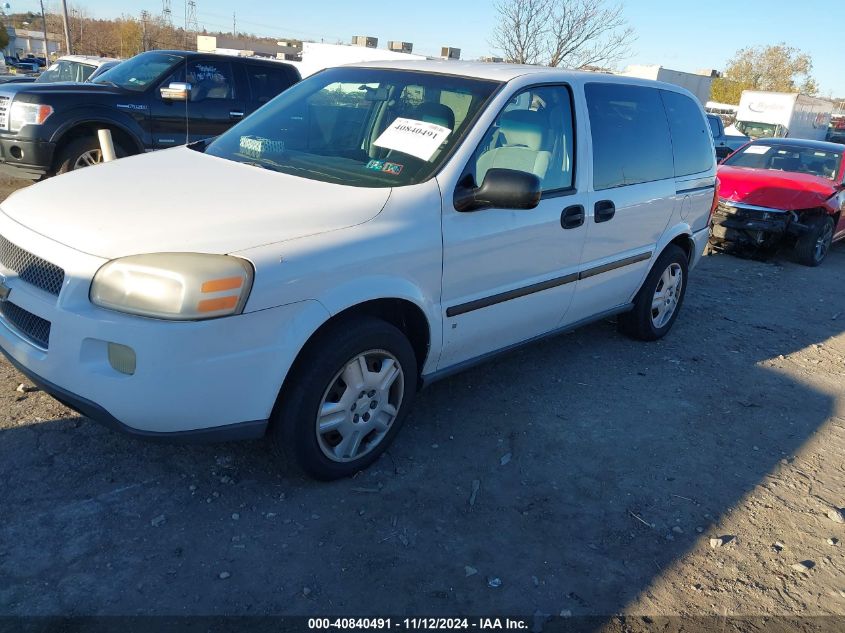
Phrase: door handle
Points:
(236, 115)
(572, 217)
(604, 211)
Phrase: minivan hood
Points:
(180, 200)
(775, 189)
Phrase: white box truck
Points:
(782, 114)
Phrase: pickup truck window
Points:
(534, 134)
(364, 127)
(630, 133)
(715, 128)
(209, 79)
(138, 73)
(266, 82)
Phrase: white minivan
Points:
(372, 229)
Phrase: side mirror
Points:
(176, 92)
(501, 189)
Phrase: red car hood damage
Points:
(774, 189)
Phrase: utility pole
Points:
(44, 24)
(234, 24)
(67, 28)
(144, 17)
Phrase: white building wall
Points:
(699, 85)
(317, 56)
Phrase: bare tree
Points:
(569, 33)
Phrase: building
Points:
(447, 52)
(23, 42)
(697, 84)
(291, 51)
(400, 47)
(316, 56)
(365, 40)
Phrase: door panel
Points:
(510, 275)
(633, 193)
(213, 107)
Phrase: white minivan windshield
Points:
(364, 127)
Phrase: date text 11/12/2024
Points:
(414, 624)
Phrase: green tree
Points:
(4, 36)
(777, 68)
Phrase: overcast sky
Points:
(677, 34)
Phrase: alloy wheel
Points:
(824, 241)
(89, 159)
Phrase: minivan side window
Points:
(692, 143)
(534, 134)
(630, 135)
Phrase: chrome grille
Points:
(4, 113)
(31, 269)
(33, 328)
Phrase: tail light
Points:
(715, 202)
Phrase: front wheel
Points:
(346, 398)
(83, 152)
(812, 247)
(658, 302)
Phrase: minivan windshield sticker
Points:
(394, 169)
(757, 149)
(416, 138)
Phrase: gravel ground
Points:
(590, 474)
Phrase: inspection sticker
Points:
(757, 149)
(416, 138)
(394, 169)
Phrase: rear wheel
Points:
(83, 152)
(346, 398)
(658, 302)
(812, 247)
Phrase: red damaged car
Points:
(778, 191)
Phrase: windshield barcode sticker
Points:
(757, 149)
(416, 138)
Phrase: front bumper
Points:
(25, 158)
(216, 379)
(751, 226)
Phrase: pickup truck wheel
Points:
(83, 152)
(812, 247)
(659, 301)
(346, 398)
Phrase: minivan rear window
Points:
(630, 135)
(691, 139)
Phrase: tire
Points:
(812, 247)
(647, 321)
(73, 155)
(372, 417)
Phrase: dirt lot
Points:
(603, 466)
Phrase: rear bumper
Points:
(25, 158)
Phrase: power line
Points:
(166, 13)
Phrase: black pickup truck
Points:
(155, 100)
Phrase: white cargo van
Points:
(782, 114)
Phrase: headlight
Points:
(174, 286)
(28, 114)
